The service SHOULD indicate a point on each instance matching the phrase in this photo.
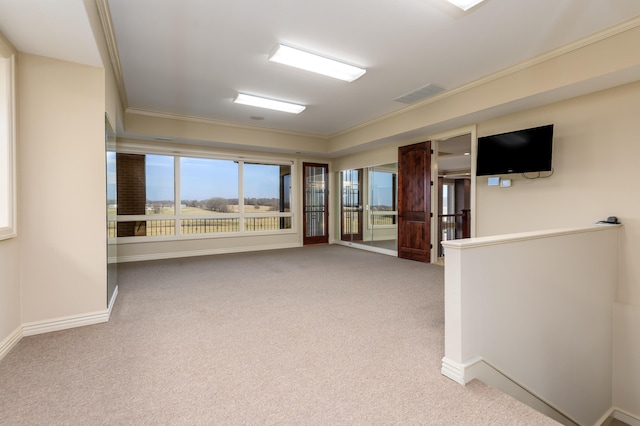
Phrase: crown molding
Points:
(109, 35)
(105, 17)
(212, 122)
(571, 47)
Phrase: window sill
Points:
(172, 238)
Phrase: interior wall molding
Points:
(459, 372)
(478, 368)
(10, 341)
(207, 252)
(112, 302)
(626, 417)
(63, 323)
(139, 146)
(212, 122)
(110, 38)
(57, 324)
(72, 321)
(576, 45)
(618, 414)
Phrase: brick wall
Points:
(131, 187)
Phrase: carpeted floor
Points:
(314, 335)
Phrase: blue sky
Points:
(201, 178)
(381, 189)
(204, 178)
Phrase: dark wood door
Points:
(316, 202)
(414, 202)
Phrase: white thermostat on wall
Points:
(505, 183)
(494, 181)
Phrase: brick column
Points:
(131, 190)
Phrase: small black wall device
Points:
(611, 220)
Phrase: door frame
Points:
(435, 142)
(323, 239)
(359, 211)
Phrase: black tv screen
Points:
(522, 151)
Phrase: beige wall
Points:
(223, 134)
(61, 246)
(594, 158)
(588, 64)
(61, 162)
(536, 324)
(10, 320)
(9, 255)
(595, 155)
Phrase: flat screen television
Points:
(521, 151)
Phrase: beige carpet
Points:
(316, 335)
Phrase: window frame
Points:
(394, 201)
(133, 148)
(8, 152)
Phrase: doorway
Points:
(315, 179)
(454, 190)
(351, 205)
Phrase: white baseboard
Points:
(626, 417)
(191, 253)
(10, 341)
(57, 324)
(367, 248)
(618, 414)
(477, 368)
(72, 321)
(460, 373)
(112, 302)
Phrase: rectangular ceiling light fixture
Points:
(314, 63)
(465, 4)
(257, 101)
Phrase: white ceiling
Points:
(191, 57)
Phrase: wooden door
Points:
(414, 202)
(316, 202)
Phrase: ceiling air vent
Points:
(422, 93)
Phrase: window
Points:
(217, 196)
(267, 189)
(383, 198)
(112, 198)
(209, 194)
(7, 150)
(160, 196)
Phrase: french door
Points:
(316, 203)
(351, 205)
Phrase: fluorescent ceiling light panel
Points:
(257, 101)
(314, 63)
(465, 4)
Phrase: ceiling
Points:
(191, 57)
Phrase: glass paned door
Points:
(316, 219)
(351, 205)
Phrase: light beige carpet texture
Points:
(319, 335)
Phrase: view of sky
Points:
(206, 178)
(201, 178)
(381, 189)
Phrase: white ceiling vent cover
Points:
(422, 93)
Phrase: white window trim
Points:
(8, 156)
(130, 147)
